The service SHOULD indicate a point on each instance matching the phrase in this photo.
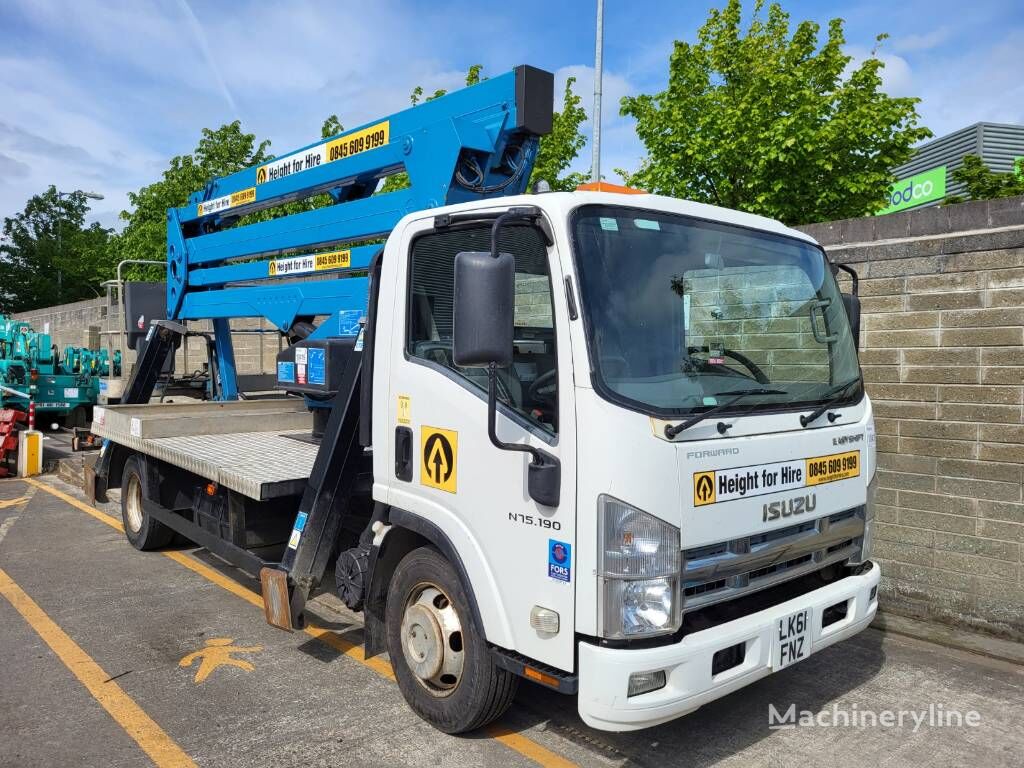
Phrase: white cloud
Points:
(924, 41)
(118, 88)
(957, 87)
(897, 78)
(973, 86)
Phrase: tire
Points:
(464, 689)
(77, 417)
(142, 530)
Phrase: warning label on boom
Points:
(344, 146)
(233, 200)
(313, 262)
(439, 458)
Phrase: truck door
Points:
(518, 554)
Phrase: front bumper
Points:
(604, 672)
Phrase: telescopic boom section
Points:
(472, 144)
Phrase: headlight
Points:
(638, 564)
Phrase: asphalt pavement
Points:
(113, 657)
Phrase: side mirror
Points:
(485, 288)
(852, 304)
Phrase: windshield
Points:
(680, 312)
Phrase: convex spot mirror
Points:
(485, 288)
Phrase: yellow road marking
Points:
(160, 747)
(527, 747)
(13, 502)
(514, 741)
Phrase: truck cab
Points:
(632, 315)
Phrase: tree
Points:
(220, 152)
(556, 152)
(48, 256)
(560, 147)
(984, 184)
(769, 122)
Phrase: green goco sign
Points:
(917, 190)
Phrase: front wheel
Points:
(443, 666)
(142, 530)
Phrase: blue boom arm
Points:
(472, 144)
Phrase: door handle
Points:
(403, 453)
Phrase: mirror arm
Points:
(544, 475)
(492, 420)
(520, 213)
(855, 288)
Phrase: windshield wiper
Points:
(833, 396)
(671, 430)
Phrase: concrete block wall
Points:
(70, 324)
(943, 356)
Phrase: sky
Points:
(98, 95)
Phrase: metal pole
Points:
(595, 171)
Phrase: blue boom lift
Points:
(470, 145)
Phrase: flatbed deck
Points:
(252, 447)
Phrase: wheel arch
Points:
(408, 531)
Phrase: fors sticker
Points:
(559, 560)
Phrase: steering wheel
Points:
(758, 375)
(542, 389)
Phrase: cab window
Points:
(530, 385)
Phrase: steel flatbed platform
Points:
(258, 448)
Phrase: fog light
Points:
(645, 682)
(544, 620)
(874, 593)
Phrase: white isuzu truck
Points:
(616, 444)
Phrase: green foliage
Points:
(48, 256)
(560, 147)
(984, 184)
(332, 127)
(220, 152)
(770, 122)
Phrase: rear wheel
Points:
(444, 668)
(142, 530)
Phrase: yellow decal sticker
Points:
(359, 141)
(828, 469)
(714, 487)
(333, 260)
(242, 197)
(348, 145)
(703, 488)
(404, 409)
(439, 458)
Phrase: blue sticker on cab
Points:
(286, 372)
(559, 560)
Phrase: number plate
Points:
(792, 640)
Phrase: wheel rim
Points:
(432, 640)
(133, 504)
